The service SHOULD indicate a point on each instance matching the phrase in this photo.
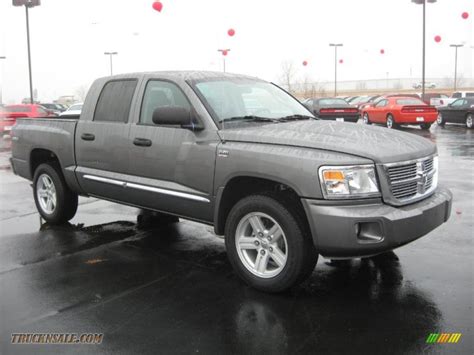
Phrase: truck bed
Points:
(37, 135)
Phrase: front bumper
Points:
(336, 228)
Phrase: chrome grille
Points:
(411, 180)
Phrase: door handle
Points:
(142, 142)
(87, 137)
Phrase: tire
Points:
(150, 219)
(287, 260)
(469, 120)
(366, 119)
(55, 202)
(425, 126)
(391, 122)
(440, 120)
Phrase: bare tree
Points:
(81, 92)
(288, 73)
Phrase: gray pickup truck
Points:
(242, 155)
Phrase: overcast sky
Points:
(69, 38)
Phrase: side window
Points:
(458, 103)
(469, 94)
(115, 101)
(159, 94)
(456, 95)
(382, 103)
(42, 111)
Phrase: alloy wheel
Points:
(46, 193)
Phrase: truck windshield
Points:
(246, 100)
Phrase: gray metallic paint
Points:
(187, 161)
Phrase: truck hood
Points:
(379, 144)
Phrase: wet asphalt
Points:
(170, 289)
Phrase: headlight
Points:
(339, 182)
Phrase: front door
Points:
(173, 167)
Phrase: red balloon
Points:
(382, 51)
(231, 32)
(305, 63)
(158, 6)
(465, 15)
(437, 39)
(224, 52)
(341, 61)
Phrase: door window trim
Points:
(131, 102)
(193, 111)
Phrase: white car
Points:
(74, 110)
(450, 100)
(427, 85)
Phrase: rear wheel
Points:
(366, 118)
(391, 122)
(440, 120)
(55, 202)
(425, 126)
(268, 246)
(469, 121)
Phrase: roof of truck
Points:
(185, 74)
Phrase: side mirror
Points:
(175, 115)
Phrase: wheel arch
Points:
(40, 156)
(238, 187)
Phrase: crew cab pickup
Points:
(243, 155)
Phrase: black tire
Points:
(301, 253)
(425, 126)
(440, 120)
(470, 120)
(390, 123)
(66, 200)
(366, 118)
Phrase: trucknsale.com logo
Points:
(443, 338)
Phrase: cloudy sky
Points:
(69, 38)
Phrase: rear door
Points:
(102, 151)
(457, 110)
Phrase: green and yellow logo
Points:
(443, 338)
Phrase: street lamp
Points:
(456, 46)
(423, 2)
(110, 54)
(1, 87)
(28, 4)
(224, 53)
(335, 45)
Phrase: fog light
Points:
(369, 232)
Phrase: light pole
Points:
(1, 87)
(335, 45)
(456, 46)
(224, 53)
(423, 2)
(28, 4)
(110, 54)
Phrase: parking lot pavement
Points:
(171, 290)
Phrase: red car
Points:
(10, 113)
(395, 111)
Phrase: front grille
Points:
(411, 180)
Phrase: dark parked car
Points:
(460, 111)
(55, 108)
(329, 108)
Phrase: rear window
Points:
(115, 101)
(327, 102)
(75, 108)
(15, 108)
(410, 102)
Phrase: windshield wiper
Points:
(249, 118)
(296, 117)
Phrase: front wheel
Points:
(469, 121)
(425, 126)
(268, 246)
(55, 202)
